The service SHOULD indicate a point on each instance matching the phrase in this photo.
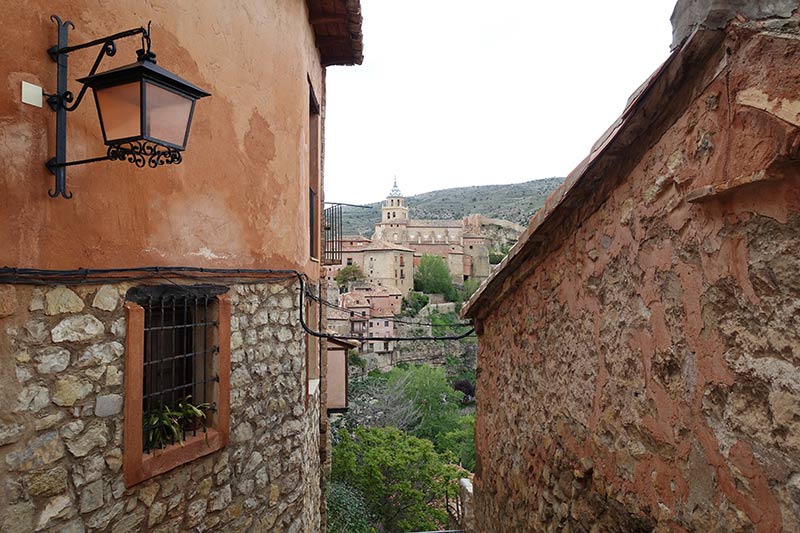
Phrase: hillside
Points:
(515, 202)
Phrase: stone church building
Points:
(461, 245)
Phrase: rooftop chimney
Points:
(715, 14)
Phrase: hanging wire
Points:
(242, 276)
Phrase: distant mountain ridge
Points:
(515, 202)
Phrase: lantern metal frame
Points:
(139, 150)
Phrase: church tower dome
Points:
(394, 217)
(394, 210)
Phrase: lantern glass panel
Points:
(167, 115)
(119, 108)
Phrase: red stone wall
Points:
(646, 373)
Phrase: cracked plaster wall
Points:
(645, 374)
(240, 197)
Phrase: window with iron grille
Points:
(333, 236)
(178, 355)
(177, 376)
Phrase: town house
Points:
(159, 364)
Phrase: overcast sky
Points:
(471, 92)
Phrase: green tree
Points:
(469, 287)
(461, 442)
(403, 479)
(347, 510)
(348, 274)
(433, 277)
(434, 400)
(414, 302)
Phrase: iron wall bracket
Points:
(62, 100)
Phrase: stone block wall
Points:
(643, 372)
(61, 378)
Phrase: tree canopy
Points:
(433, 277)
(403, 479)
(348, 274)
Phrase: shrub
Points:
(347, 509)
(403, 479)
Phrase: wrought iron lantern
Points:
(145, 111)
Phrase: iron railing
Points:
(332, 254)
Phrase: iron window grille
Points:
(180, 332)
(333, 236)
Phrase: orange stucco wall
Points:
(240, 197)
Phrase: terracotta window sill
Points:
(160, 461)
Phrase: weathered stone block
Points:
(77, 328)
(62, 300)
(195, 512)
(158, 511)
(42, 450)
(101, 518)
(129, 522)
(101, 354)
(46, 482)
(108, 405)
(37, 331)
(92, 496)
(8, 300)
(10, 433)
(118, 327)
(58, 507)
(23, 374)
(220, 499)
(69, 389)
(32, 398)
(46, 422)
(37, 300)
(107, 298)
(95, 436)
(52, 359)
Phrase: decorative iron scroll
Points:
(139, 152)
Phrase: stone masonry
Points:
(639, 366)
(61, 435)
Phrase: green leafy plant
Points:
(162, 427)
(165, 425)
(191, 415)
(433, 277)
(347, 510)
(347, 275)
(402, 478)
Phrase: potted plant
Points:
(162, 427)
(167, 425)
(191, 417)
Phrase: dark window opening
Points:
(180, 346)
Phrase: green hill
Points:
(515, 202)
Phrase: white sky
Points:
(472, 92)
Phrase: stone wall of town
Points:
(644, 372)
(61, 385)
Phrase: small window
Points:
(314, 165)
(386, 346)
(177, 353)
(349, 261)
(386, 323)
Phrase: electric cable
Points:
(97, 276)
